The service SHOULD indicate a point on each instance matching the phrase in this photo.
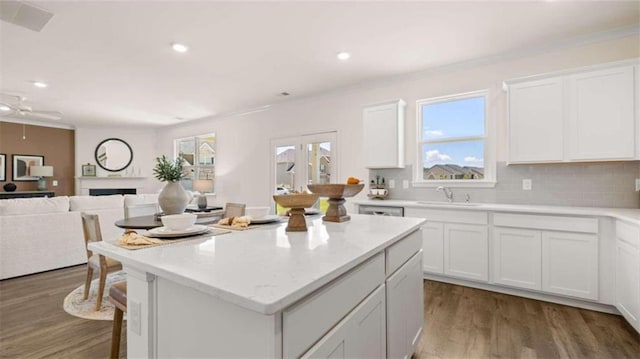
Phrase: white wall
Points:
(143, 144)
(242, 152)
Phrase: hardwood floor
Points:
(460, 322)
(34, 325)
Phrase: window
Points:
(453, 141)
(200, 159)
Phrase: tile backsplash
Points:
(608, 184)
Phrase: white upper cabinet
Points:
(536, 116)
(577, 115)
(601, 116)
(383, 137)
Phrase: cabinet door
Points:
(405, 308)
(432, 247)
(628, 282)
(361, 334)
(536, 117)
(383, 137)
(570, 264)
(601, 114)
(466, 251)
(517, 258)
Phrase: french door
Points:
(301, 160)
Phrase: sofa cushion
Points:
(34, 205)
(83, 203)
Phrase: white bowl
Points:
(178, 222)
(256, 212)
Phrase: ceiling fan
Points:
(17, 109)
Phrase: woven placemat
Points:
(211, 232)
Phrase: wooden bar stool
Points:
(118, 297)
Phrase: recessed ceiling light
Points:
(5, 108)
(284, 93)
(343, 55)
(179, 47)
(39, 84)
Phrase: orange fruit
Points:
(353, 180)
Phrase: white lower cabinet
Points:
(433, 247)
(517, 257)
(466, 251)
(570, 264)
(628, 272)
(405, 298)
(361, 334)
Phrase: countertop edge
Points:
(617, 213)
(111, 250)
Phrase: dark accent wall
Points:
(57, 145)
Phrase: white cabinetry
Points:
(433, 247)
(466, 251)
(570, 264)
(516, 257)
(627, 297)
(601, 114)
(383, 137)
(454, 243)
(361, 334)
(555, 254)
(576, 115)
(405, 299)
(536, 111)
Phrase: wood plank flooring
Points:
(34, 325)
(460, 322)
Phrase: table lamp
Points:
(41, 172)
(202, 186)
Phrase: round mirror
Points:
(113, 154)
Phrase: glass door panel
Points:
(302, 160)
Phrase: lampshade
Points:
(41, 171)
(203, 186)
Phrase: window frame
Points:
(196, 166)
(489, 179)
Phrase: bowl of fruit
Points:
(337, 192)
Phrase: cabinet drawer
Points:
(400, 252)
(448, 215)
(628, 233)
(551, 223)
(307, 321)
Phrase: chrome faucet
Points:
(447, 192)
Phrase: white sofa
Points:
(40, 234)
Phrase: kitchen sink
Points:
(461, 204)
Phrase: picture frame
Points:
(21, 164)
(3, 167)
(88, 170)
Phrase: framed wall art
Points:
(3, 167)
(21, 164)
(88, 170)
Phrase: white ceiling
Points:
(111, 62)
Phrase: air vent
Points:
(23, 14)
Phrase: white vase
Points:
(173, 199)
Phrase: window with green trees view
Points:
(200, 158)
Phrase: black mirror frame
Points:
(95, 154)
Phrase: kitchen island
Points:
(340, 289)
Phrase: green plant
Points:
(167, 170)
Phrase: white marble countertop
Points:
(267, 269)
(631, 215)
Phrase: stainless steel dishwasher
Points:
(381, 210)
